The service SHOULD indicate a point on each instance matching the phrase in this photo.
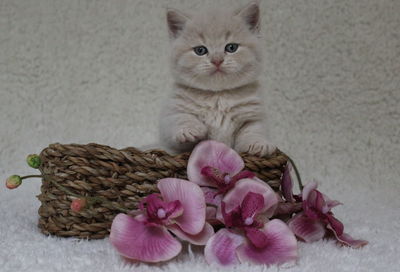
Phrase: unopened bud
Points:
(13, 182)
(78, 204)
(33, 161)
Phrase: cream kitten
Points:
(216, 59)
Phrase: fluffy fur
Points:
(216, 95)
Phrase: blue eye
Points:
(231, 47)
(200, 50)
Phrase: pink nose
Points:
(217, 62)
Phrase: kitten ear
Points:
(176, 22)
(251, 15)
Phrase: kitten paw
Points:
(190, 135)
(258, 148)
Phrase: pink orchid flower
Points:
(215, 165)
(216, 168)
(248, 236)
(179, 208)
(316, 218)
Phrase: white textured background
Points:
(96, 71)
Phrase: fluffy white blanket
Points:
(95, 71)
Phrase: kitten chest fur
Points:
(223, 112)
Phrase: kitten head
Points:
(216, 49)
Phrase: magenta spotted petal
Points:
(192, 200)
(308, 229)
(281, 246)
(221, 248)
(215, 155)
(135, 240)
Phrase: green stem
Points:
(31, 176)
(297, 173)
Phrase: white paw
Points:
(258, 148)
(190, 135)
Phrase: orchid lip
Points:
(243, 215)
(159, 211)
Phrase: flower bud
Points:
(33, 161)
(13, 182)
(78, 204)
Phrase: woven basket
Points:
(122, 177)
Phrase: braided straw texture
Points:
(122, 177)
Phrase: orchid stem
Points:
(31, 176)
(297, 173)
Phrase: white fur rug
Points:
(96, 71)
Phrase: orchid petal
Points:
(211, 213)
(233, 218)
(308, 229)
(234, 198)
(335, 224)
(252, 204)
(308, 188)
(192, 199)
(221, 248)
(212, 197)
(332, 203)
(287, 184)
(347, 240)
(198, 239)
(173, 209)
(214, 176)
(319, 200)
(135, 240)
(281, 246)
(288, 208)
(153, 203)
(211, 216)
(329, 204)
(256, 237)
(216, 155)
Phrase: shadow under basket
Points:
(122, 177)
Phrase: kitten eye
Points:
(200, 50)
(231, 47)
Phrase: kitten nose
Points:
(217, 62)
